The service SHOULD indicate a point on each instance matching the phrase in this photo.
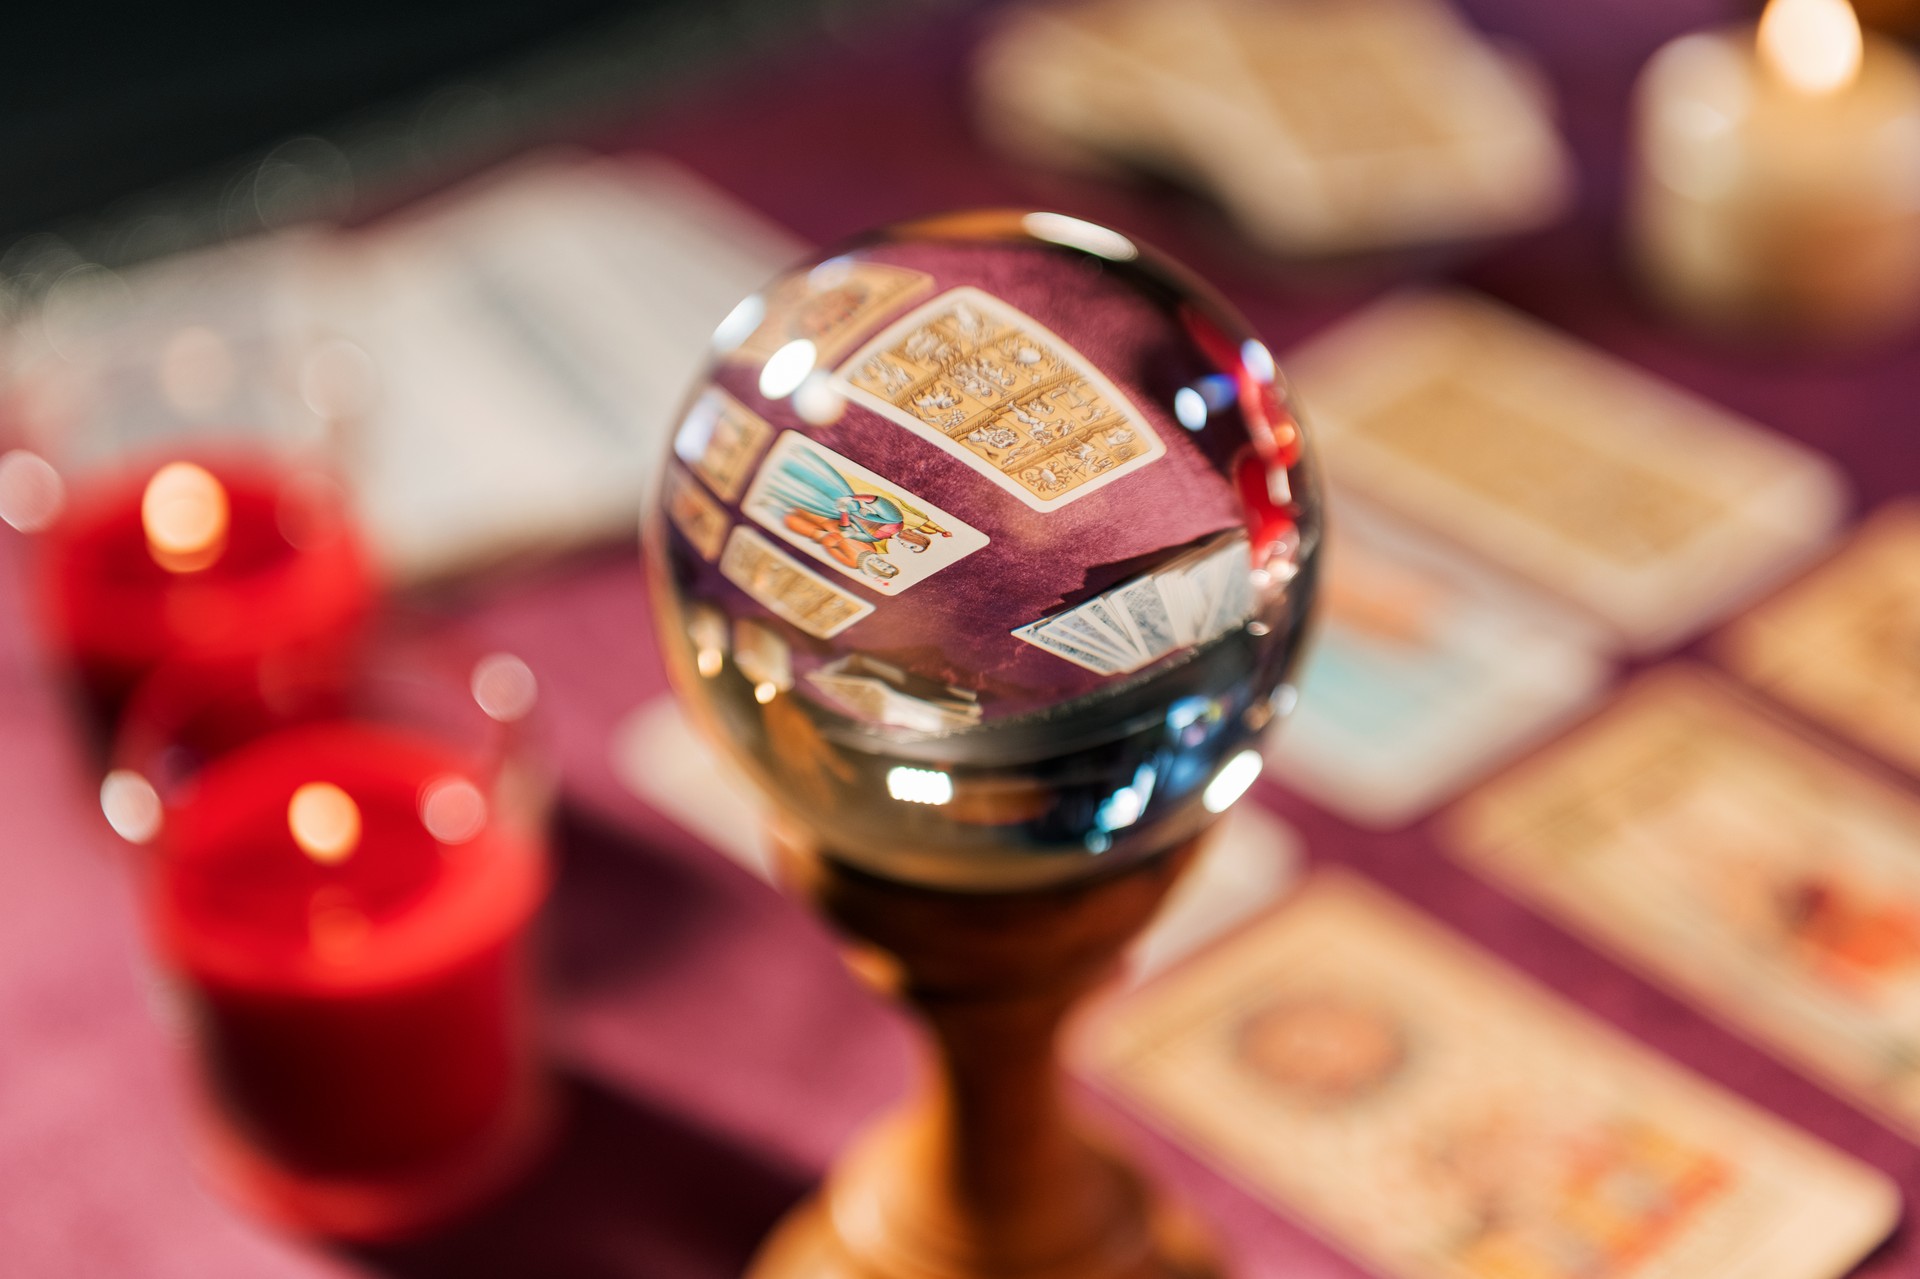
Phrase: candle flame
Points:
(324, 821)
(184, 512)
(1814, 45)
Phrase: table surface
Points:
(712, 1051)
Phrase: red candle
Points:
(221, 564)
(347, 920)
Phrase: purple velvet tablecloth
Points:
(711, 1049)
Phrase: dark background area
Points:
(131, 130)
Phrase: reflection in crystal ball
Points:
(986, 545)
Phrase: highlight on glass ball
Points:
(986, 544)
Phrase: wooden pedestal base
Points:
(984, 1175)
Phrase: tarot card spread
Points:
(1440, 1117)
(1190, 600)
(1648, 508)
(853, 520)
(797, 594)
(1844, 645)
(998, 391)
(1771, 884)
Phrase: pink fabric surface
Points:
(711, 1050)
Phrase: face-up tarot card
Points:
(856, 522)
(1440, 1117)
(1844, 644)
(1648, 508)
(1699, 838)
(1427, 669)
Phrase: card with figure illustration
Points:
(1439, 1116)
(1843, 645)
(1649, 508)
(1700, 838)
(993, 387)
(853, 520)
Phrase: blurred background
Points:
(1603, 317)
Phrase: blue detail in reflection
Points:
(1124, 807)
(1194, 728)
(1218, 391)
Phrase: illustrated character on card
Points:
(817, 502)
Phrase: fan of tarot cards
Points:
(986, 545)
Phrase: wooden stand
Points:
(984, 1174)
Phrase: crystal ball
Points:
(985, 545)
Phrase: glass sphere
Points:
(986, 546)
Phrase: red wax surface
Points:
(362, 1021)
(292, 576)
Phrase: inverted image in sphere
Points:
(986, 545)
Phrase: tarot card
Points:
(832, 306)
(1766, 881)
(1209, 590)
(659, 755)
(882, 693)
(1041, 635)
(1844, 644)
(1236, 598)
(721, 439)
(700, 519)
(1650, 509)
(1438, 1116)
(1426, 671)
(997, 390)
(762, 655)
(1194, 598)
(789, 589)
(1080, 627)
(853, 520)
(1379, 121)
(1144, 611)
(1249, 860)
(1104, 623)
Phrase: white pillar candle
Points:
(1778, 175)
